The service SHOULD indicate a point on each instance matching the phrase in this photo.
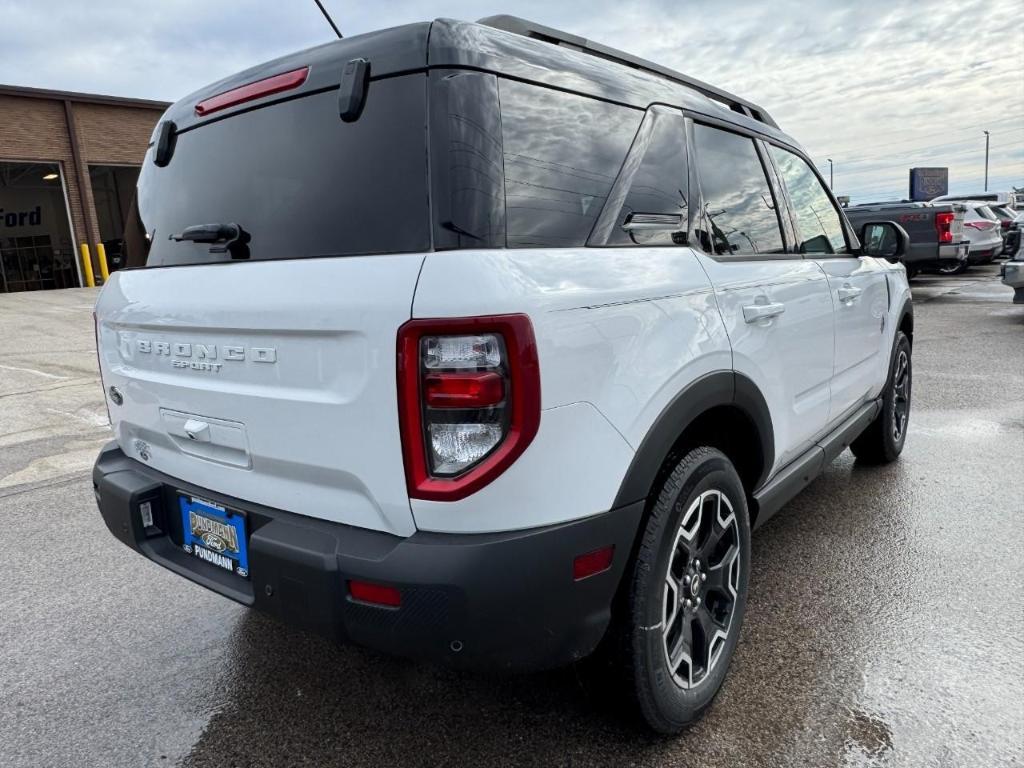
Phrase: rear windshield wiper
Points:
(225, 238)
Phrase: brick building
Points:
(68, 166)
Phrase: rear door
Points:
(775, 304)
(858, 286)
(268, 373)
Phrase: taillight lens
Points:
(469, 401)
(981, 226)
(944, 225)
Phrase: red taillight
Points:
(592, 563)
(463, 390)
(943, 225)
(468, 401)
(981, 226)
(375, 594)
(243, 93)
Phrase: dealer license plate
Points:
(214, 534)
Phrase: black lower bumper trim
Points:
(502, 600)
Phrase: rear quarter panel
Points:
(619, 331)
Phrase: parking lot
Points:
(885, 623)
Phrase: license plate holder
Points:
(214, 534)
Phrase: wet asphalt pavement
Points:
(885, 624)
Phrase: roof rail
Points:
(554, 36)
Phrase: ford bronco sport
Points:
(483, 343)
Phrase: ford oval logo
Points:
(213, 541)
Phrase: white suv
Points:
(483, 343)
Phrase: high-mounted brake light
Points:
(257, 90)
(944, 225)
(468, 401)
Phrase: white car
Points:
(983, 230)
(460, 344)
(1009, 199)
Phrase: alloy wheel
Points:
(901, 395)
(701, 586)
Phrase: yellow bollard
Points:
(90, 281)
(101, 254)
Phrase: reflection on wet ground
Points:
(885, 625)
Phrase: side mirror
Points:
(885, 240)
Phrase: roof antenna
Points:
(328, 17)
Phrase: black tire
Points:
(912, 272)
(670, 700)
(883, 440)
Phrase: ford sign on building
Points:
(68, 166)
(928, 183)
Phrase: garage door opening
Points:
(36, 249)
(112, 188)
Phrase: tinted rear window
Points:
(562, 153)
(296, 178)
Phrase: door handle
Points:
(757, 312)
(848, 293)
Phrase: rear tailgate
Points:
(267, 371)
(296, 387)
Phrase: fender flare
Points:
(709, 391)
(907, 309)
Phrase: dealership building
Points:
(68, 167)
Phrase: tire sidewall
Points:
(661, 697)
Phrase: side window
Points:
(820, 228)
(654, 185)
(738, 203)
(562, 153)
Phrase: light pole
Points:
(986, 160)
(831, 176)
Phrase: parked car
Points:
(465, 345)
(936, 233)
(1008, 199)
(1008, 221)
(984, 232)
(1012, 273)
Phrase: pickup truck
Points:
(936, 234)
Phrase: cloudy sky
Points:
(878, 87)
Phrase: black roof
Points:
(529, 52)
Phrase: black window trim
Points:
(788, 253)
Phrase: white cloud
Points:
(878, 87)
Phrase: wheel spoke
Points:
(671, 602)
(718, 573)
(709, 629)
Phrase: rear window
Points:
(562, 153)
(298, 180)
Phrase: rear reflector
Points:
(375, 594)
(243, 93)
(592, 563)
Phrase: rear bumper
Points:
(923, 255)
(503, 600)
(1012, 273)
